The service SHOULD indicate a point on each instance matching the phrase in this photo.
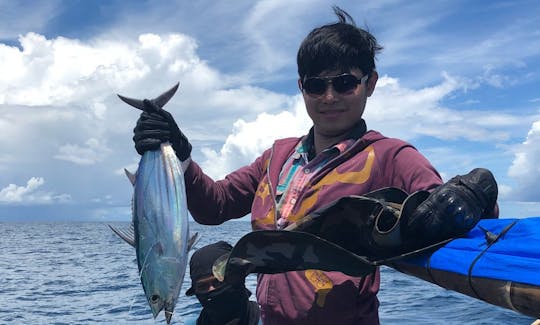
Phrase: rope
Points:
(490, 240)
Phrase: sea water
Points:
(81, 273)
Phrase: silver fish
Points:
(159, 230)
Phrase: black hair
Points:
(338, 46)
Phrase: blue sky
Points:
(458, 79)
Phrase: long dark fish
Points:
(159, 231)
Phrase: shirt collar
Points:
(307, 147)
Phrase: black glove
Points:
(155, 126)
(453, 208)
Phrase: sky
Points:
(460, 80)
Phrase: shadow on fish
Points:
(159, 230)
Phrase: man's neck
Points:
(322, 142)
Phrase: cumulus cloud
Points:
(60, 70)
(409, 113)
(249, 139)
(29, 194)
(394, 110)
(91, 153)
(60, 117)
(525, 168)
(58, 103)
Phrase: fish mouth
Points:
(168, 316)
(157, 304)
(169, 310)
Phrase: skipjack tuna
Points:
(159, 230)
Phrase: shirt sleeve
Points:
(214, 202)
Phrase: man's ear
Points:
(300, 84)
(372, 81)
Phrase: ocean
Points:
(81, 273)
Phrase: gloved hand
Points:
(155, 126)
(453, 208)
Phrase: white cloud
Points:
(59, 71)
(30, 194)
(395, 111)
(60, 118)
(525, 168)
(93, 152)
(407, 113)
(98, 110)
(250, 138)
(14, 193)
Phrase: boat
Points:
(498, 261)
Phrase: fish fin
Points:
(137, 103)
(193, 240)
(130, 176)
(127, 234)
(164, 98)
(160, 100)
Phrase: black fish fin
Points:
(193, 240)
(130, 176)
(128, 235)
(137, 103)
(164, 98)
(160, 100)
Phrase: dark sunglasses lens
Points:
(345, 83)
(315, 86)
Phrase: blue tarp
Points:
(515, 256)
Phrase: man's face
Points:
(334, 113)
(207, 284)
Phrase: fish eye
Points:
(154, 299)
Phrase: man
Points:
(223, 303)
(338, 157)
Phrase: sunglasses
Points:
(344, 83)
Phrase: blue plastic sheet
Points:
(514, 256)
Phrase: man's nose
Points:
(329, 93)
